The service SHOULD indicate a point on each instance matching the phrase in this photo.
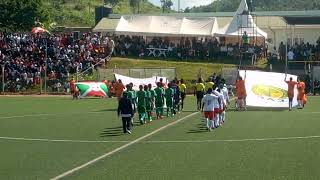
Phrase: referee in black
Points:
(125, 110)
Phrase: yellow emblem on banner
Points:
(269, 91)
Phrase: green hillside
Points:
(81, 12)
(259, 5)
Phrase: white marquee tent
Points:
(166, 26)
(242, 21)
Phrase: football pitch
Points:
(60, 138)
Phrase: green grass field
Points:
(184, 69)
(43, 137)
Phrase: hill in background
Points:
(259, 5)
(81, 12)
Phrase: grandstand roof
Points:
(298, 20)
(106, 25)
(265, 19)
(310, 13)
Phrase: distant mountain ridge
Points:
(259, 5)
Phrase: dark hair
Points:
(209, 91)
(150, 86)
(140, 87)
(145, 87)
(214, 87)
(182, 81)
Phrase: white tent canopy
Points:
(242, 22)
(166, 26)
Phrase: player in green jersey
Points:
(159, 100)
(169, 93)
(148, 103)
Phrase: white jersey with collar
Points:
(209, 102)
(225, 93)
(220, 100)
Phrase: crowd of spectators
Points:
(24, 54)
(24, 57)
(297, 52)
(183, 48)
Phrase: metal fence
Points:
(230, 74)
(108, 74)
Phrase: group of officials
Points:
(147, 100)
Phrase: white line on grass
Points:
(173, 141)
(37, 115)
(67, 173)
(60, 140)
(236, 140)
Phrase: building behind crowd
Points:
(281, 26)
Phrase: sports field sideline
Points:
(48, 137)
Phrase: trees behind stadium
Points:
(22, 15)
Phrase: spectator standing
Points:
(291, 55)
(282, 51)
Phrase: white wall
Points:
(305, 34)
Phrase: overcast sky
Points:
(184, 3)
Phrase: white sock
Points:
(223, 116)
(217, 121)
(211, 122)
(207, 123)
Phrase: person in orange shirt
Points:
(241, 94)
(291, 85)
(72, 86)
(301, 93)
(111, 89)
(119, 88)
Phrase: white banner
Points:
(137, 81)
(265, 89)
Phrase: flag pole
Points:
(45, 69)
(3, 66)
(41, 83)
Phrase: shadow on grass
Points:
(111, 131)
(259, 109)
(116, 131)
(118, 127)
(194, 131)
(106, 110)
(200, 129)
(111, 135)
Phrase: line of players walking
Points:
(212, 100)
(147, 100)
(213, 104)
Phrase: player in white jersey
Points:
(208, 104)
(219, 107)
(226, 100)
